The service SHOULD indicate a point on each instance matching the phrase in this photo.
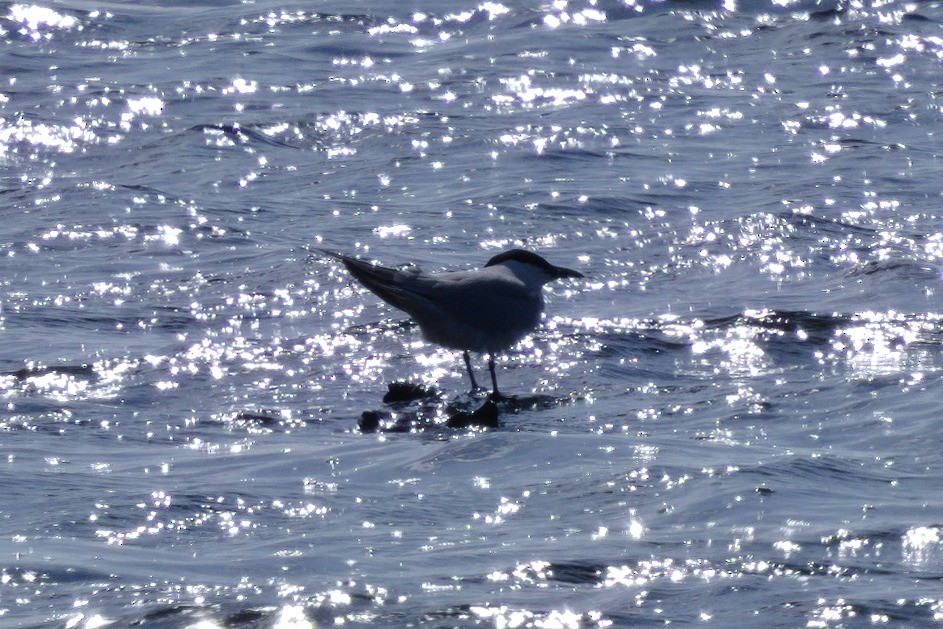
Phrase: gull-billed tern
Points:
(484, 310)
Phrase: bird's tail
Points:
(380, 280)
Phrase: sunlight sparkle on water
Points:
(292, 617)
(505, 617)
(37, 21)
(81, 621)
(922, 545)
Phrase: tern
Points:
(486, 310)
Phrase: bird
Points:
(486, 310)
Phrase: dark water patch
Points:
(815, 328)
(62, 574)
(615, 206)
(216, 234)
(576, 573)
(169, 616)
(36, 371)
(378, 328)
(822, 226)
(247, 618)
(651, 341)
(567, 155)
(814, 569)
(174, 319)
(258, 421)
(857, 143)
(265, 419)
(906, 269)
(917, 17)
(831, 13)
(248, 134)
(901, 612)
(828, 470)
(258, 418)
(886, 536)
(516, 404)
(148, 189)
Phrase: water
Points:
(733, 421)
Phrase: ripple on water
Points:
(732, 417)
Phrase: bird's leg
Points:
(471, 374)
(495, 395)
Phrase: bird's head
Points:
(529, 266)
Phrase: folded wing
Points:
(390, 285)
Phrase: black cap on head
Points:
(529, 257)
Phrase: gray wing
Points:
(390, 285)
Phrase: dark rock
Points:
(485, 416)
(402, 392)
(369, 421)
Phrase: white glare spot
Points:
(146, 105)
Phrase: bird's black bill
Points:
(563, 272)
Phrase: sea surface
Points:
(734, 420)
